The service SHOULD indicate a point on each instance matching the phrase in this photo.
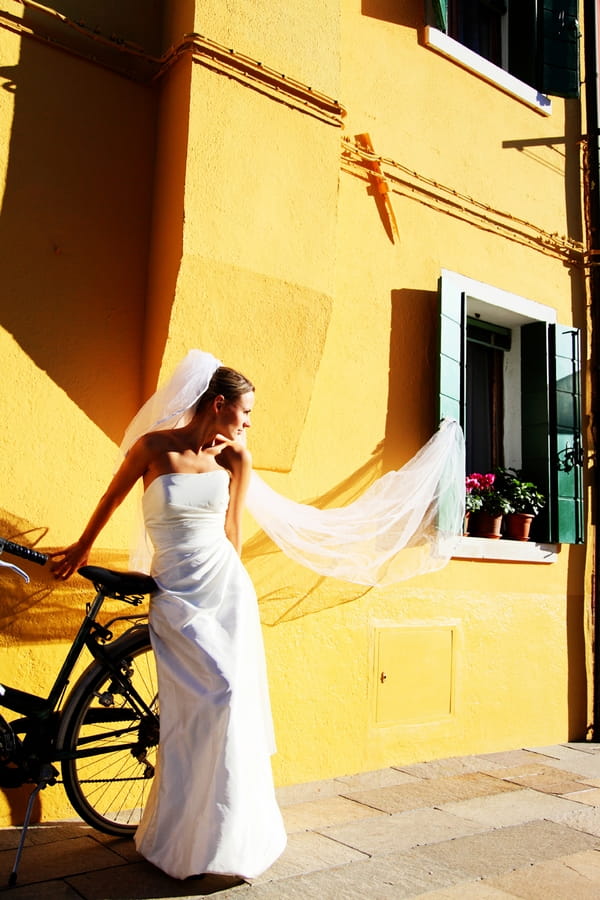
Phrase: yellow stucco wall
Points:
(76, 163)
(206, 210)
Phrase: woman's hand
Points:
(221, 442)
(66, 562)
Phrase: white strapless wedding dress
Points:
(212, 805)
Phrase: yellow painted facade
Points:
(214, 197)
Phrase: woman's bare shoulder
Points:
(156, 441)
(235, 456)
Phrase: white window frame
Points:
(504, 308)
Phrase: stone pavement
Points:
(522, 823)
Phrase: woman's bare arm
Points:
(66, 562)
(239, 462)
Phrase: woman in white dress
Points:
(212, 806)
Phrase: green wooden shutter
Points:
(535, 420)
(566, 443)
(551, 428)
(558, 48)
(452, 366)
(452, 356)
(436, 14)
(440, 14)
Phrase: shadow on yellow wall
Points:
(287, 590)
(74, 225)
(46, 610)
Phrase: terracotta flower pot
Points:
(482, 524)
(517, 526)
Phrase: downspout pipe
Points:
(592, 200)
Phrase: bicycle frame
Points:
(31, 704)
(40, 736)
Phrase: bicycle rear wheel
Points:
(110, 743)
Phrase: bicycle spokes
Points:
(113, 746)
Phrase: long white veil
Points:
(406, 523)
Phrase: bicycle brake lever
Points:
(16, 569)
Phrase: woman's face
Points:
(234, 417)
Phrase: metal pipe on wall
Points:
(592, 200)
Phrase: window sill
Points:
(509, 551)
(491, 73)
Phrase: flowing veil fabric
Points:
(173, 404)
(406, 523)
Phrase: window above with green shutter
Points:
(528, 48)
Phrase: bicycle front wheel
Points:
(108, 740)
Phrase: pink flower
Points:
(478, 482)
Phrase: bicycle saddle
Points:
(118, 584)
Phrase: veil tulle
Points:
(406, 523)
(173, 404)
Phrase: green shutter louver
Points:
(558, 48)
(452, 352)
(535, 420)
(452, 366)
(440, 14)
(551, 428)
(566, 440)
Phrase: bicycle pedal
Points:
(47, 775)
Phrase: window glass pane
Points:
(478, 25)
(485, 407)
(522, 40)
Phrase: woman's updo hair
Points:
(229, 383)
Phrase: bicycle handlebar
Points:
(24, 552)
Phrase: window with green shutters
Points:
(537, 41)
(544, 439)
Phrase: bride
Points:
(212, 805)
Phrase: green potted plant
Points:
(524, 500)
(486, 504)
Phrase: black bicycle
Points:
(104, 733)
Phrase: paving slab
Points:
(321, 813)
(454, 765)
(525, 756)
(57, 859)
(310, 852)
(574, 760)
(123, 847)
(516, 808)
(142, 881)
(590, 797)
(48, 890)
(381, 879)
(568, 750)
(311, 790)
(592, 781)
(578, 816)
(433, 792)
(505, 849)
(369, 780)
(584, 746)
(576, 876)
(467, 890)
(548, 779)
(391, 834)
(45, 833)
